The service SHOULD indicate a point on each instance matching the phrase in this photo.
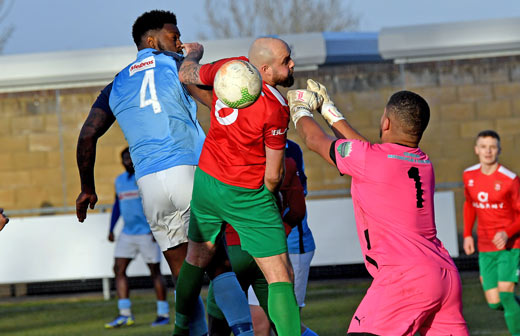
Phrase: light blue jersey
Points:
(156, 113)
(130, 205)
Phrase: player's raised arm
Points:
(332, 115)
(189, 70)
(96, 124)
(301, 103)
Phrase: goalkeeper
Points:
(416, 286)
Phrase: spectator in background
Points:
(136, 237)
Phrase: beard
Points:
(160, 46)
(288, 81)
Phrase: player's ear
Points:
(385, 124)
(476, 150)
(151, 41)
(265, 69)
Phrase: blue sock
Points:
(124, 306)
(309, 332)
(232, 300)
(163, 309)
(197, 324)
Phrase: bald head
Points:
(272, 57)
(263, 50)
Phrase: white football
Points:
(237, 84)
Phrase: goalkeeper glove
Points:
(302, 102)
(328, 110)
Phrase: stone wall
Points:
(465, 97)
(39, 130)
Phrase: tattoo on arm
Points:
(97, 123)
(189, 71)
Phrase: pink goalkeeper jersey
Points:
(392, 191)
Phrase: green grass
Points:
(330, 306)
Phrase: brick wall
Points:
(465, 96)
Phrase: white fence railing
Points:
(53, 248)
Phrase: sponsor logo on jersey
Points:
(488, 205)
(145, 64)
(279, 131)
(344, 149)
(128, 195)
(410, 157)
(483, 198)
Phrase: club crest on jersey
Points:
(471, 183)
(344, 149)
(145, 64)
(498, 186)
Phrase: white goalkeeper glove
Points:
(302, 103)
(328, 110)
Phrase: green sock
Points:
(496, 306)
(188, 288)
(283, 309)
(511, 312)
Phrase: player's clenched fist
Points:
(193, 47)
(302, 102)
(328, 110)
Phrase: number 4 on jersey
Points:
(149, 82)
(413, 173)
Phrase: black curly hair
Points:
(411, 110)
(152, 20)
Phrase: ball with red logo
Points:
(237, 84)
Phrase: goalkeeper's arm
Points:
(301, 103)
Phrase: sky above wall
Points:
(57, 25)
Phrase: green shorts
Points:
(248, 274)
(498, 266)
(251, 212)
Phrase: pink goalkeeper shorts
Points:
(403, 300)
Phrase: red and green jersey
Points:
(293, 202)
(495, 201)
(234, 150)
